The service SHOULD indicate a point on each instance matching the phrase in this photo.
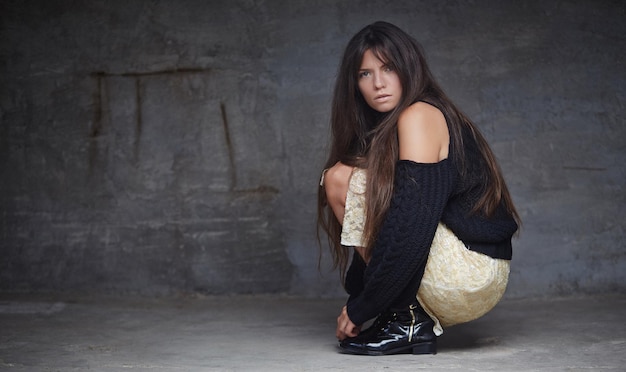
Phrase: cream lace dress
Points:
(459, 285)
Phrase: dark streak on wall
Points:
(229, 146)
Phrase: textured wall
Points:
(175, 146)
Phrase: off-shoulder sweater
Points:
(424, 195)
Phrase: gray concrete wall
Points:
(160, 147)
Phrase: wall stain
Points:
(173, 71)
(590, 169)
(138, 118)
(229, 145)
(97, 127)
(97, 120)
(263, 189)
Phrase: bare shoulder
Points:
(423, 133)
(422, 113)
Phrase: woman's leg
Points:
(336, 182)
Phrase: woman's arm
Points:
(422, 185)
(353, 282)
(399, 254)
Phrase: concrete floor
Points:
(291, 334)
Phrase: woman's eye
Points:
(364, 74)
(387, 69)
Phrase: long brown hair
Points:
(363, 137)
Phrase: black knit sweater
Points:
(424, 195)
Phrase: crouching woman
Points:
(416, 210)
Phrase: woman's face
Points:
(379, 84)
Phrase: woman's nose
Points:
(378, 81)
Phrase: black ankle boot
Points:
(395, 332)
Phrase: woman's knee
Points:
(336, 182)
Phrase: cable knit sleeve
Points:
(354, 277)
(421, 192)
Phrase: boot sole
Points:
(429, 347)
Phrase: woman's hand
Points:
(345, 327)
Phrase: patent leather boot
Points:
(399, 332)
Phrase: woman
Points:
(413, 189)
